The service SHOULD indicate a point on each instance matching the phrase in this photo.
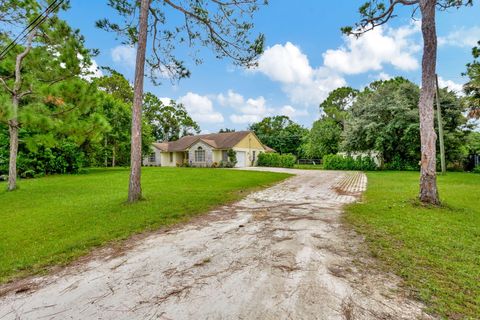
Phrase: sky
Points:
(305, 58)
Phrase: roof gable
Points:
(225, 140)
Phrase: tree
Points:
(280, 133)
(336, 105)
(324, 138)
(378, 12)
(168, 122)
(53, 52)
(472, 87)
(222, 26)
(384, 118)
(226, 130)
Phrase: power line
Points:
(31, 26)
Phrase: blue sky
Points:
(306, 57)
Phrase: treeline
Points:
(85, 123)
(382, 120)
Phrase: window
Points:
(225, 155)
(171, 156)
(152, 158)
(200, 155)
(254, 156)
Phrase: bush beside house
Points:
(276, 160)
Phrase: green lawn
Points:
(435, 250)
(55, 219)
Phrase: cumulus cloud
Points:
(247, 111)
(201, 108)
(450, 85)
(300, 81)
(125, 55)
(462, 37)
(292, 112)
(374, 49)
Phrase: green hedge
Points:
(276, 160)
(339, 162)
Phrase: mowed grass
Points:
(435, 250)
(55, 219)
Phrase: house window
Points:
(171, 156)
(152, 158)
(254, 156)
(224, 155)
(200, 155)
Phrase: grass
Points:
(53, 220)
(435, 250)
(308, 166)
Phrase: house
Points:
(207, 149)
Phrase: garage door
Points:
(241, 159)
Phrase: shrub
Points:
(276, 160)
(476, 169)
(232, 157)
(339, 162)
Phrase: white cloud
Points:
(384, 76)
(462, 37)
(200, 108)
(246, 110)
(451, 85)
(231, 99)
(165, 100)
(125, 55)
(286, 64)
(302, 83)
(374, 49)
(291, 112)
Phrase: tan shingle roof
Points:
(225, 140)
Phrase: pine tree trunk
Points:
(13, 123)
(428, 179)
(13, 133)
(135, 187)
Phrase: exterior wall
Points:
(146, 160)
(249, 155)
(177, 159)
(208, 155)
(217, 156)
(250, 142)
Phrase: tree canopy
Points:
(280, 133)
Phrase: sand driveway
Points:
(281, 253)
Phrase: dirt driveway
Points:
(281, 253)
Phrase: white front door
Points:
(241, 159)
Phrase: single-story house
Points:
(206, 149)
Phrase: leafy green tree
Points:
(385, 118)
(116, 85)
(324, 138)
(53, 52)
(378, 12)
(226, 130)
(280, 133)
(116, 108)
(472, 87)
(223, 26)
(168, 122)
(336, 105)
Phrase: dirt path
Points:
(280, 253)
